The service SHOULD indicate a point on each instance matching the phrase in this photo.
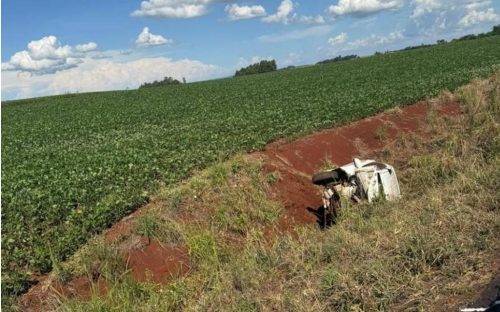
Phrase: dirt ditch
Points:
(293, 162)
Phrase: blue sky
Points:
(54, 46)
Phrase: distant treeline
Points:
(265, 66)
(165, 82)
(339, 59)
(494, 32)
(257, 68)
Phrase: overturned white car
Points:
(358, 180)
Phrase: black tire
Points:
(325, 178)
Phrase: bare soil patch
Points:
(292, 162)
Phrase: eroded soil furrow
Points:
(293, 162)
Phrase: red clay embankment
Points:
(294, 162)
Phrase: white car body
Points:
(376, 178)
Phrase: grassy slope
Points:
(436, 243)
(73, 164)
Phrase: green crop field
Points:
(74, 164)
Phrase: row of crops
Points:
(74, 164)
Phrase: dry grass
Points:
(410, 255)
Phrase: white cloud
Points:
(339, 39)
(173, 8)
(476, 17)
(311, 20)
(364, 7)
(314, 31)
(47, 55)
(243, 62)
(87, 47)
(285, 15)
(236, 12)
(422, 7)
(285, 9)
(292, 58)
(444, 18)
(478, 4)
(103, 75)
(373, 41)
(147, 39)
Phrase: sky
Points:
(59, 46)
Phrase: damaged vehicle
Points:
(357, 181)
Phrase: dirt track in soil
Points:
(294, 163)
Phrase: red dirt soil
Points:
(158, 264)
(297, 161)
(294, 164)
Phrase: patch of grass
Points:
(328, 164)
(62, 273)
(414, 254)
(153, 225)
(130, 296)
(273, 177)
(203, 252)
(148, 225)
(99, 259)
(381, 133)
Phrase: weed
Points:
(99, 259)
(217, 175)
(381, 133)
(273, 177)
(203, 252)
(148, 225)
(328, 165)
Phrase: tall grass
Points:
(435, 243)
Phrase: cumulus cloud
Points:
(364, 7)
(450, 18)
(422, 7)
(173, 8)
(147, 39)
(310, 20)
(47, 55)
(243, 62)
(478, 4)
(285, 15)
(372, 41)
(103, 75)
(314, 31)
(339, 39)
(285, 9)
(237, 12)
(87, 47)
(293, 58)
(476, 17)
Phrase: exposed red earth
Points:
(156, 263)
(293, 162)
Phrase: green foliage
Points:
(99, 259)
(148, 225)
(203, 251)
(74, 164)
(381, 133)
(257, 68)
(339, 59)
(165, 82)
(494, 32)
